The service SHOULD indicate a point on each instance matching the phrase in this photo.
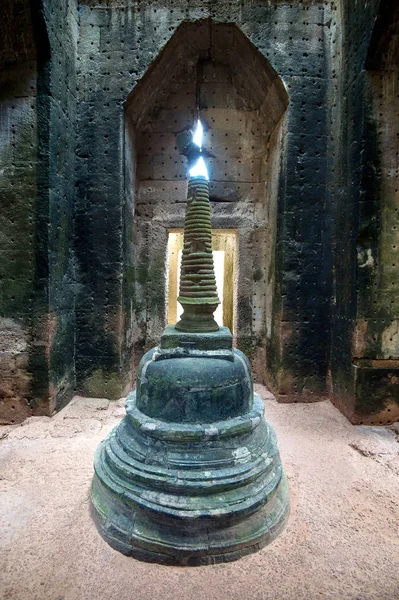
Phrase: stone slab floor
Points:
(341, 542)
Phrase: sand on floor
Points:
(341, 542)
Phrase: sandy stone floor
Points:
(342, 540)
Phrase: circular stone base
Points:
(194, 495)
(169, 542)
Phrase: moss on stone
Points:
(103, 384)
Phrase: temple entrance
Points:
(224, 242)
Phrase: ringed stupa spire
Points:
(198, 293)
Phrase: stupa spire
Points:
(198, 294)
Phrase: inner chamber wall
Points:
(241, 105)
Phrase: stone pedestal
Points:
(192, 474)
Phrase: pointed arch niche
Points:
(242, 102)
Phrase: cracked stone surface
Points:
(341, 541)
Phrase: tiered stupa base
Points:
(179, 481)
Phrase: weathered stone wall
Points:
(240, 117)
(18, 149)
(92, 180)
(365, 344)
(36, 145)
(118, 42)
(61, 106)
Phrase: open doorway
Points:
(224, 242)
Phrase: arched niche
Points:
(241, 103)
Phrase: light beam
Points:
(199, 169)
(198, 134)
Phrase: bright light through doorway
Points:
(224, 251)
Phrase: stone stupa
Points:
(192, 474)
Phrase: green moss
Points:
(102, 384)
(156, 278)
(17, 225)
(247, 345)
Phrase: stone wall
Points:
(18, 150)
(59, 161)
(365, 344)
(299, 102)
(37, 131)
(118, 43)
(242, 120)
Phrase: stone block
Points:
(237, 144)
(229, 121)
(376, 396)
(243, 171)
(165, 192)
(172, 120)
(226, 96)
(169, 167)
(150, 142)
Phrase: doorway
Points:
(224, 243)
